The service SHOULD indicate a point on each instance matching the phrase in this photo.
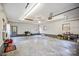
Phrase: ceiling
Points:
(15, 10)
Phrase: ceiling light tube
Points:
(30, 10)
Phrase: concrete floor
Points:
(40, 45)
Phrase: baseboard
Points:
(25, 35)
(51, 35)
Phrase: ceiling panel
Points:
(14, 10)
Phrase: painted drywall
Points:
(2, 16)
(1, 41)
(48, 27)
(22, 27)
(55, 27)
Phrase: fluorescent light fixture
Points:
(34, 8)
(30, 10)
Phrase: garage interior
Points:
(39, 29)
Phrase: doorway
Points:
(13, 30)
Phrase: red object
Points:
(8, 41)
(10, 48)
(9, 45)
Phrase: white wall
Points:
(51, 27)
(1, 41)
(2, 15)
(74, 27)
(22, 27)
(55, 27)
